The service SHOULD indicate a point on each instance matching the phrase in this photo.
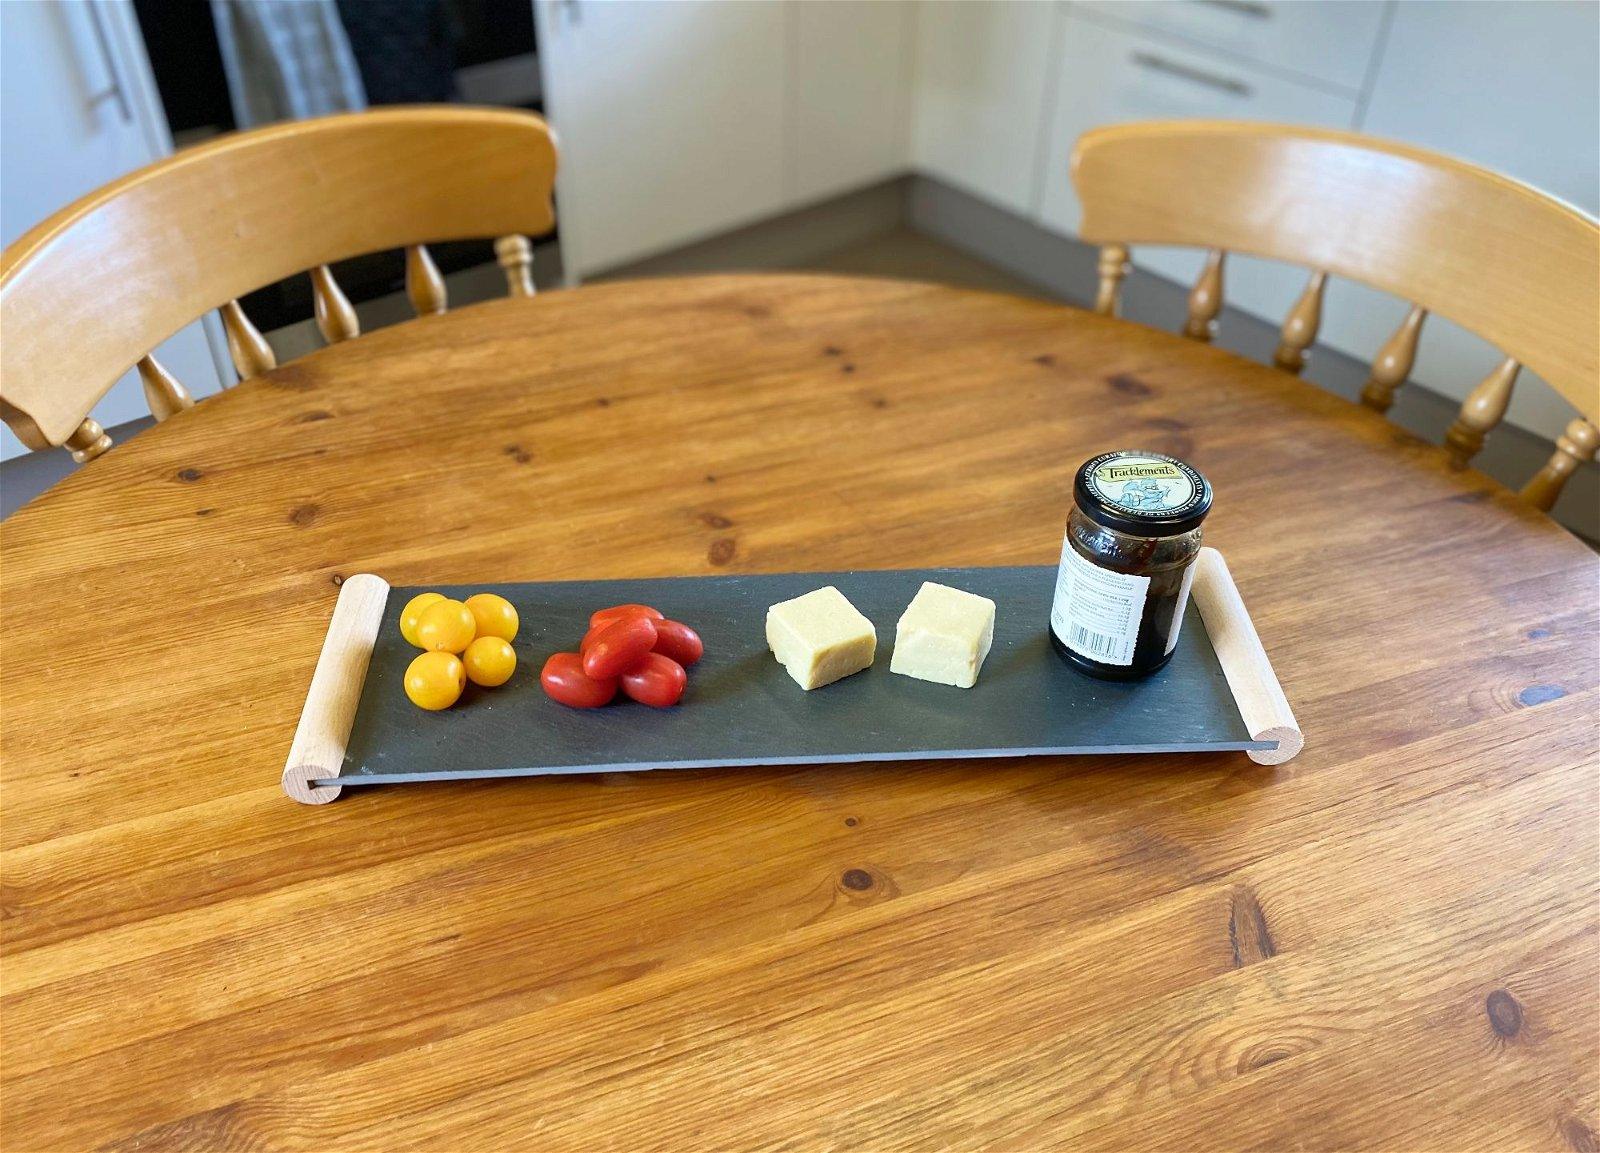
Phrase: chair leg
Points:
(1205, 299)
(1483, 409)
(515, 254)
(88, 441)
(1392, 365)
(1573, 447)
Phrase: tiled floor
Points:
(909, 255)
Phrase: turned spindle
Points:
(1300, 327)
(163, 392)
(336, 317)
(1392, 366)
(1576, 445)
(1205, 300)
(249, 350)
(1480, 412)
(515, 254)
(1113, 268)
(424, 285)
(88, 441)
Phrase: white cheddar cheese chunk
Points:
(820, 637)
(943, 636)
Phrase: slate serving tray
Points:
(741, 708)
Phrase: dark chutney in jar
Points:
(1131, 541)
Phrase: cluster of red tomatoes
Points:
(629, 648)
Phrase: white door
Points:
(77, 110)
(669, 118)
(981, 75)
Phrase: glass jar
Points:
(1132, 537)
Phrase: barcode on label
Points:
(1096, 612)
(1101, 644)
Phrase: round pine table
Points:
(1389, 942)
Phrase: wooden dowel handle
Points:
(319, 742)
(1255, 686)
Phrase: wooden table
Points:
(1388, 943)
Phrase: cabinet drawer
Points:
(1329, 40)
(1109, 76)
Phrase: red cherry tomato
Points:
(565, 681)
(588, 637)
(680, 642)
(656, 681)
(618, 646)
(602, 616)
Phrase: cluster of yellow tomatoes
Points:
(462, 641)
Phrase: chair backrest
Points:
(1512, 264)
(90, 291)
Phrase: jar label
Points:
(1096, 612)
(1151, 485)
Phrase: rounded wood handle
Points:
(1254, 685)
(319, 742)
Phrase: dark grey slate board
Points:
(741, 708)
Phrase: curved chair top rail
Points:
(1510, 263)
(92, 289)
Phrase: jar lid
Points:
(1142, 493)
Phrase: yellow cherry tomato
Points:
(446, 626)
(434, 680)
(412, 613)
(496, 616)
(490, 661)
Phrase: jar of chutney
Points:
(1132, 538)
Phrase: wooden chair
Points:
(1504, 260)
(95, 287)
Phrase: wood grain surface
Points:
(1512, 264)
(1389, 943)
(1507, 262)
(145, 255)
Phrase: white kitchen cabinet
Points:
(1111, 75)
(669, 118)
(679, 121)
(1509, 85)
(1505, 84)
(849, 96)
(1324, 41)
(981, 75)
(78, 110)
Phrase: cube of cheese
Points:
(943, 636)
(820, 637)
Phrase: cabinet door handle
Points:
(1194, 75)
(115, 91)
(1250, 8)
